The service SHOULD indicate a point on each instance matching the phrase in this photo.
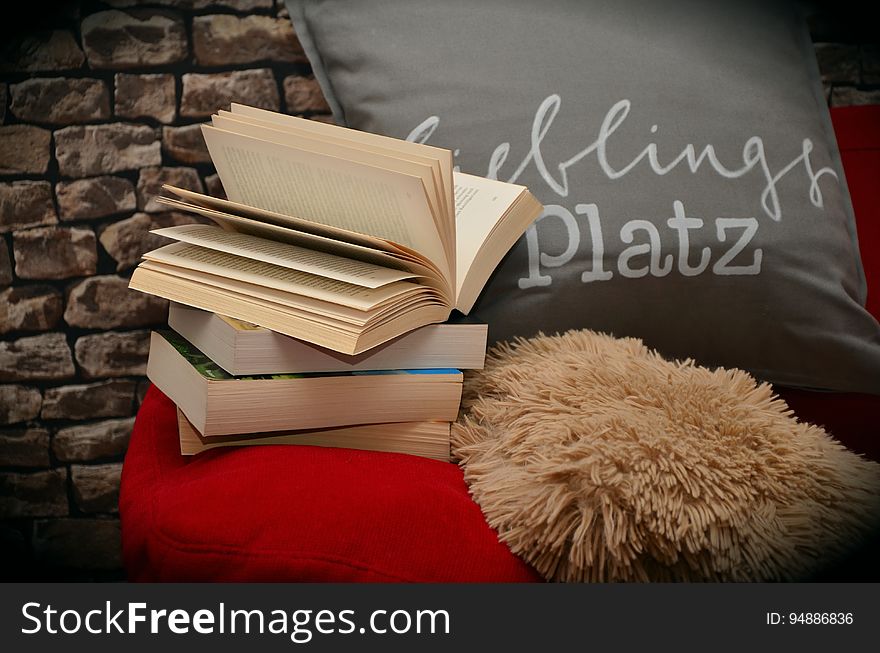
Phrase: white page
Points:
(269, 217)
(305, 141)
(306, 307)
(479, 205)
(420, 150)
(399, 260)
(285, 255)
(440, 159)
(326, 190)
(273, 276)
(241, 224)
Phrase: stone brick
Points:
(119, 39)
(4, 92)
(5, 264)
(26, 204)
(214, 186)
(19, 403)
(29, 308)
(103, 355)
(96, 487)
(150, 182)
(78, 543)
(304, 94)
(105, 302)
(185, 144)
(845, 96)
(146, 96)
(55, 50)
(60, 101)
(24, 149)
(35, 494)
(112, 398)
(95, 197)
(36, 358)
(205, 94)
(93, 441)
(870, 64)
(224, 39)
(55, 253)
(838, 62)
(85, 151)
(14, 548)
(25, 447)
(195, 5)
(127, 240)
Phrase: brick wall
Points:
(99, 105)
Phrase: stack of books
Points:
(235, 383)
(312, 311)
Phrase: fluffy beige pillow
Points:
(597, 460)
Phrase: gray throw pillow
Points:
(683, 150)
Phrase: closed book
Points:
(426, 439)
(220, 404)
(242, 348)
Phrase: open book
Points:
(338, 237)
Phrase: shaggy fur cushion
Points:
(597, 460)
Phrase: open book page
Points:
(307, 308)
(479, 206)
(326, 189)
(269, 217)
(398, 259)
(240, 224)
(416, 151)
(289, 256)
(274, 276)
(305, 141)
(439, 159)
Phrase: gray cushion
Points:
(743, 253)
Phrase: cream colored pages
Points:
(326, 189)
(273, 276)
(408, 148)
(290, 256)
(279, 219)
(305, 307)
(479, 206)
(232, 222)
(438, 158)
(305, 141)
(397, 261)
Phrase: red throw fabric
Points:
(858, 136)
(276, 513)
(283, 513)
(854, 419)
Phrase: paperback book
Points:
(426, 439)
(242, 348)
(218, 403)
